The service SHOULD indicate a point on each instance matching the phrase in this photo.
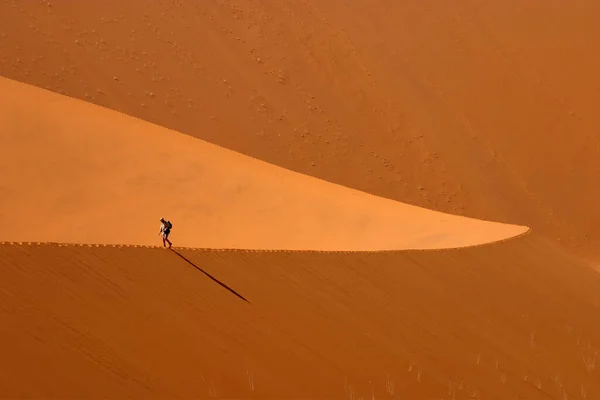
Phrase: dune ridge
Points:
(242, 249)
(258, 250)
(78, 172)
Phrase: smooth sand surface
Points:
(483, 109)
(78, 173)
(503, 321)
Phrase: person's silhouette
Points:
(165, 230)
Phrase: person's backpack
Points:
(169, 225)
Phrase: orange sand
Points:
(479, 109)
(501, 321)
(103, 177)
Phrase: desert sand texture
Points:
(503, 321)
(483, 109)
(80, 173)
(334, 120)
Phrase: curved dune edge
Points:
(80, 173)
(214, 249)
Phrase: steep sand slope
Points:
(76, 172)
(503, 321)
(483, 109)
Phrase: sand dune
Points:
(485, 110)
(501, 321)
(78, 173)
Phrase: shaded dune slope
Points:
(79, 173)
(480, 109)
(497, 321)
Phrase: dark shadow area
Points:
(211, 277)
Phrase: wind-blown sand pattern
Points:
(291, 143)
(494, 321)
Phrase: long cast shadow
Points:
(211, 277)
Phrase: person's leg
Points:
(167, 238)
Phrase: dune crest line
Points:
(246, 250)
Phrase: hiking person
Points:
(165, 230)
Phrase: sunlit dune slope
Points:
(486, 109)
(501, 321)
(76, 172)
